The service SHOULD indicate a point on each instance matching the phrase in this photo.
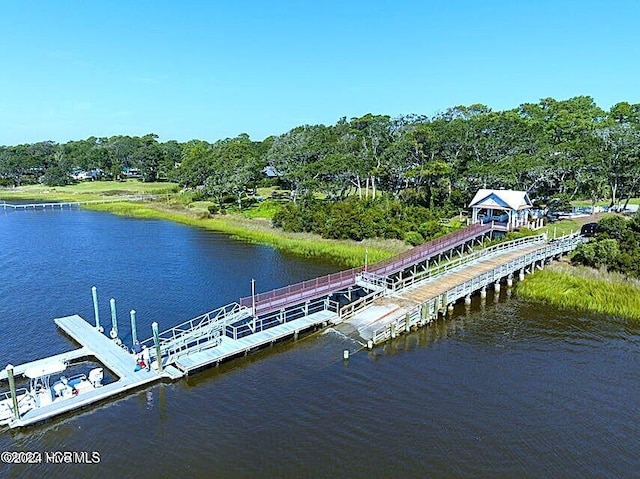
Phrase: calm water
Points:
(507, 389)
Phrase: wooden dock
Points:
(229, 347)
(414, 303)
(75, 204)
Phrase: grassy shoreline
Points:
(346, 253)
(584, 289)
(254, 230)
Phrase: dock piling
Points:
(156, 341)
(96, 312)
(114, 320)
(134, 332)
(12, 389)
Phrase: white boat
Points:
(43, 392)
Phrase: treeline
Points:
(52, 163)
(356, 219)
(616, 246)
(555, 150)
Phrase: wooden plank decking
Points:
(387, 310)
(431, 290)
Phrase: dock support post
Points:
(134, 331)
(96, 312)
(483, 292)
(156, 341)
(510, 281)
(467, 300)
(253, 297)
(496, 286)
(424, 312)
(407, 325)
(392, 326)
(114, 320)
(12, 389)
(521, 275)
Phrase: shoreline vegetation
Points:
(560, 284)
(345, 253)
(584, 289)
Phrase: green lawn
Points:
(632, 201)
(86, 190)
(559, 228)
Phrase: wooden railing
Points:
(325, 285)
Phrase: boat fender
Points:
(113, 333)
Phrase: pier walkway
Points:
(75, 204)
(325, 285)
(402, 304)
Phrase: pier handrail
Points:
(444, 268)
(429, 249)
(389, 285)
(281, 297)
(257, 324)
(552, 248)
(197, 331)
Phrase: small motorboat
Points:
(43, 392)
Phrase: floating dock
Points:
(122, 364)
(95, 345)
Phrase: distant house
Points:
(270, 172)
(131, 172)
(510, 207)
(81, 175)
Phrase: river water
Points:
(505, 389)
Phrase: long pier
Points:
(378, 302)
(402, 304)
(74, 204)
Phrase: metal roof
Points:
(515, 200)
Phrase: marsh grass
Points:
(586, 289)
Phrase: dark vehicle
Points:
(588, 230)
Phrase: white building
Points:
(513, 208)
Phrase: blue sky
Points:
(214, 69)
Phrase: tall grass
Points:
(583, 289)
